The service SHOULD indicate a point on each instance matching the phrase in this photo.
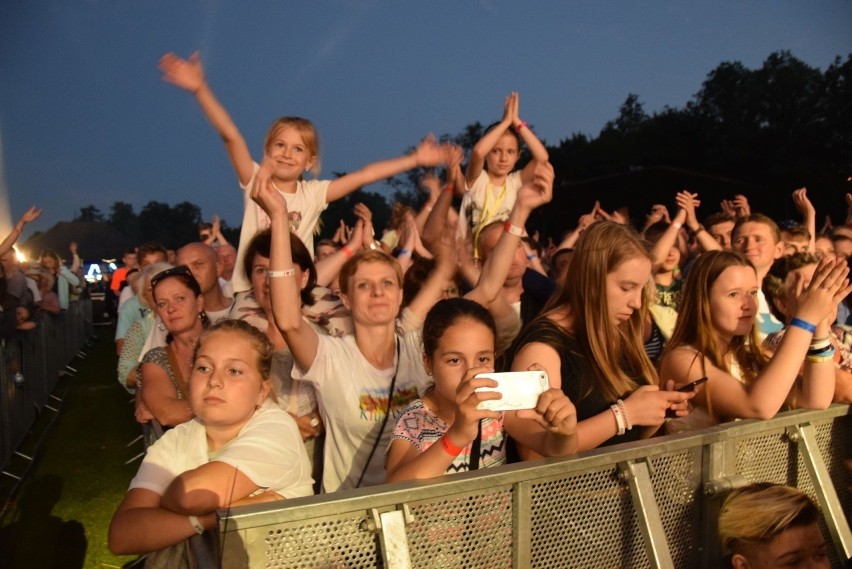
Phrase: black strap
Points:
(384, 421)
(476, 448)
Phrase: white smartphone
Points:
(520, 389)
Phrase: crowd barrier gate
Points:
(40, 355)
(651, 504)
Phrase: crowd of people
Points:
(280, 367)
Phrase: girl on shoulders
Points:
(491, 182)
(292, 145)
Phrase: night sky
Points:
(85, 118)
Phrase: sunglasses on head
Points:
(180, 270)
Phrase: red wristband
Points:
(346, 251)
(513, 229)
(448, 188)
(520, 126)
(449, 447)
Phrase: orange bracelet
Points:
(449, 447)
(346, 251)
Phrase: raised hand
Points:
(188, 74)
(658, 213)
(30, 215)
(803, 204)
(741, 206)
(827, 288)
(265, 195)
(539, 190)
(687, 201)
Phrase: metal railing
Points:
(647, 504)
(40, 355)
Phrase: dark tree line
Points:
(778, 127)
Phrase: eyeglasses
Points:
(180, 270)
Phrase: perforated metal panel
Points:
(677, 482)
(580, 513)
(466, 531)
(332, 542)
(585, 521)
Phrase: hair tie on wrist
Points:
(803, 324)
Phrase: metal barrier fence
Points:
(648, 504)
(40, 355)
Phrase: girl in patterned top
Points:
(458, 343)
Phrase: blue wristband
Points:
(804, 325)
(401, 252)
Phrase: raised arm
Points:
(427, 154)
(283, 288)
(531, 195)
(688, 202)
(30, 215)
(328, 268)
(536, 148)
(436, 220)
(806, 208)
(667, 240)
(188, 74)
(485, 144)
(763, 398)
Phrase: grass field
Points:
(61, 514)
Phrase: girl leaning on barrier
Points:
(445, 431)
(240, 448)
(589, 339)
(716, 336)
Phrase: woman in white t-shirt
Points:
(240, 448)
(364, 378)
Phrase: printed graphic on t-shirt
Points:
(295, 220)
(374, 402)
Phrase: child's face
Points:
(225, 385)
(465, 344)
(503, 157)
(289, 153)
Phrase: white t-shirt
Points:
(473, 202)
(304, 207)
(268, 450)
(353, 400)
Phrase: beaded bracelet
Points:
(627, 424)
(803, 324)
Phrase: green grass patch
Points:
(61, 514)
